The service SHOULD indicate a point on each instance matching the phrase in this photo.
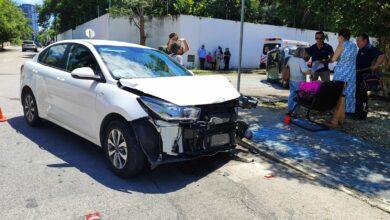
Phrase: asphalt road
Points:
(50, 173)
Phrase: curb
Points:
(314, 175)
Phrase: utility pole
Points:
(241, 39)
(167, 7)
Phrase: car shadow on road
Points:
(275, 85)
(341, 158)
(88, 158)
(29, 56)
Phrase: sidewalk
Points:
(331, 155)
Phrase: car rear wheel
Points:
(30, 109)
(123, 154)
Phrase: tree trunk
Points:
(142, 34)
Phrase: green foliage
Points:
(13, 23)
(371, 16)
(46, 35)
(135, 10)
(68, 14)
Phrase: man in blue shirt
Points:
(368, 60)
(202, 56)
(321, 52)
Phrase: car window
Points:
(80, 56)
(41, 56)
(133, 62)
(270, 46)
(28, 42)
(55, 56)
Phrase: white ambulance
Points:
(271, 43)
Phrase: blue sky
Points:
(34, 2)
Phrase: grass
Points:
(232, 71)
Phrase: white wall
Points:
(197, 30)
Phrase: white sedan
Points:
(134, 101)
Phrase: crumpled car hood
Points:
(186, 90)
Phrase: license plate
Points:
(219, 140)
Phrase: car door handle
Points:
(60, 78)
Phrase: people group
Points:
(353, 62)
(218, 60)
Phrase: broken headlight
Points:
(168, 111)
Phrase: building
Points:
(31, 13)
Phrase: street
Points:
(51, 173)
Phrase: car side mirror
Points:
(84, 73)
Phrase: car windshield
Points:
(133, 62)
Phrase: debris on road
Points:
(92, 216)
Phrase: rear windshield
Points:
(269, 47)
(133, 62)
(28, 42)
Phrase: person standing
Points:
(218, 57)
(264, 58)
(177, 47)
(226, 57)
(345, 71)
(209, 61)
(298, 71)
(202, 56)
(368, 60)
(321, 52)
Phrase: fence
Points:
(197, 30)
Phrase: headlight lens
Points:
(169, 111)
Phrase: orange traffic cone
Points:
(2, 117)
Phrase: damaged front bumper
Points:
(216, 130)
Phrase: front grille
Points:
(225, 111)
(219, 131)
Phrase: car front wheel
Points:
(124, 155)
(30, 109)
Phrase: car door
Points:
(74, 97)
(51, 67)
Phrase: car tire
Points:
(123, 153)
(23, 50)
(36, 50)
(30, 109)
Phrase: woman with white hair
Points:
(298, 71)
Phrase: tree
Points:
(13, 23)
(135, 11)
(46, 35)
(68, 14)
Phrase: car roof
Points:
(103, 42)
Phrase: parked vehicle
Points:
(29, 45)
(272, 43)
(277, 59)
(133, 101)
